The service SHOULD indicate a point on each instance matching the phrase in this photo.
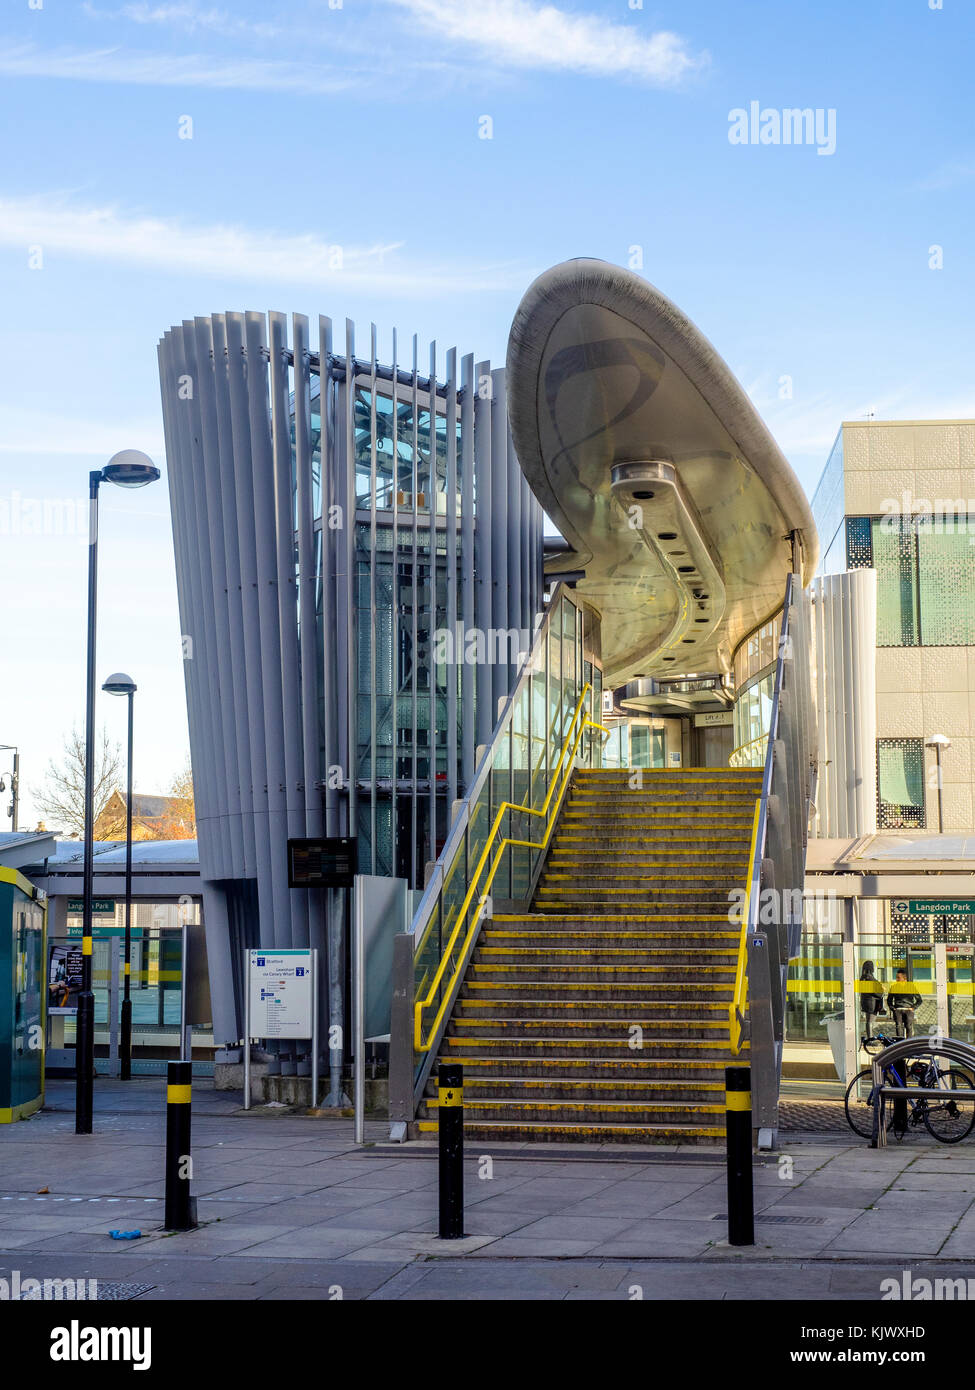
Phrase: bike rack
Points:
(951, 1048)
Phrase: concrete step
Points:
(584, 776)
(587, 1111)
(637, 940)
(466, 1025)
(647, 1089)
(612, 916)
(719, 882)
(678, 858)
(628, 992)
(706, 815)
(525, 1132)
(577, 902)
(613, 921)
(636, 1066)
(627, 839)
(551, 954)
(588, 1000)
(659, 976)
(648, 802)
(490, 1012)
(504, 1042)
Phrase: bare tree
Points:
(61, 799)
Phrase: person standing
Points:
(902, 1003)
(871, 994)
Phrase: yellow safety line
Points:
(424, 1003)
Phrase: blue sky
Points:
(358, 126)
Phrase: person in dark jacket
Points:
(871, 994)
(903, 1002)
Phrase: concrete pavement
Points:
(290, 1208)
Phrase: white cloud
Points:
(185, 16)
(526, 35)
(176, 70)
(60, 225)
(32, 431)
(948, 176)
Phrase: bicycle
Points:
(946, 1121)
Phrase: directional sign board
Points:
(280, 985)
(937, 907)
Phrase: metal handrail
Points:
(736, 1009)
(424, 915)
(736, 1021)
(733, 757)
(422, 1004)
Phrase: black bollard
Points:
(738, 1128)
(450, 1123)
(125, 1041)
(84, 1053)
(180, 1215)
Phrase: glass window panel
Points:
(859, 546)
(900, 783)
(946, 574)
(895, 559)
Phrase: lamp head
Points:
(937, 741)
(120, 684)
(130, 468)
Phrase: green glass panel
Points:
(946, 573)
(895, 560)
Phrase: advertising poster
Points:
(64, 978)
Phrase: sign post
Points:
(280, 1001)
(359, 1041)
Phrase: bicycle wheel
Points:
(859, 1104)
(951, 1121)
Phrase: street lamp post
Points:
(120, 684)
(126, 469)
(937, 742)
(14, 783)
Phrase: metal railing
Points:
(450, 962)
(750, 754)
(772, 912)
(547, 725)
(736, 1009)
(952, 1048)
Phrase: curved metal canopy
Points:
(649, 457)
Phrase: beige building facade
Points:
(899, 497)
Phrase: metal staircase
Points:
(602, 1015)
(596, 945)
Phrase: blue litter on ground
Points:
(125, 1235)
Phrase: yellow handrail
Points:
(506, 840)
(736, 1009)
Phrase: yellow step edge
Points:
(625, 1107)
(695, 1044)
(696, 917)
(665, 1063)
(584, 1133)
(606, 1081)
